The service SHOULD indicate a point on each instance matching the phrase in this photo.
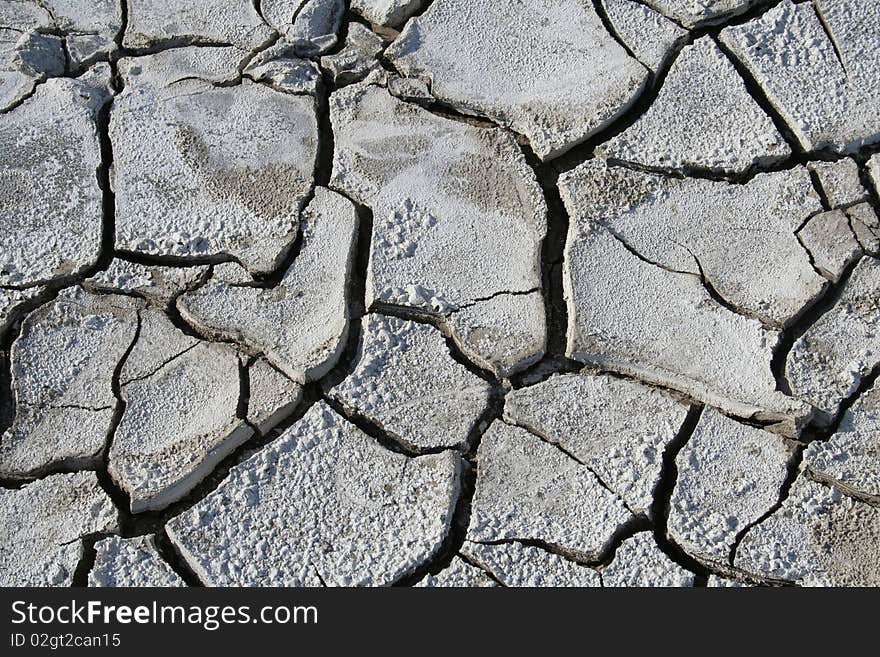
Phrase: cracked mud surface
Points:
(440, 293)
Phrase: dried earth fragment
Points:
(640, 319)
(818, 537)
(40, 55)
(865, 225)
(406, 381)
(49, 158)
(158, 342)
(273, 396)
(207, 171)
(91, 26)
(515, 564)
(739, 238)
(503, 334)
(280, 14)
(13, 302)
(639, 562)
(41, 525)
(21, 15)
(832, 243)
(357, 59)
(693, 13)
(729, 476)
(874, 170)
(827, 364)
(162, 22)
(649, 35)
(26, 59)
(410, 89)
(315, 26)
(62, 378)
(458, 574)
(557, 80)
(283, 70)
(131, 562)
(616, 427)
(839, 181)
(703, 118)
(89, 30)
(388, 13)
(819, 65)
(322, 503)
(180, 420)
(528, 489)
(850, 459)
(441, 192)
(716, 582)
(218, 65)
(158, 285)
(301, 324)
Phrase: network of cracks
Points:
(450, 293)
